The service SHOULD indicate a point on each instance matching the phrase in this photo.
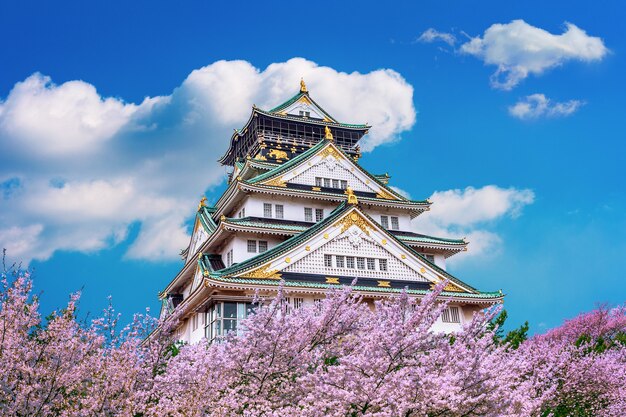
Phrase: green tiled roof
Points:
(246, 221)
(293, 241)
(251, 222)
(310, 153)
(204, 214)
(316, 121)
(296, 98)
(253, 281)
(432, 239)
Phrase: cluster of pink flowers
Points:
(339, 358)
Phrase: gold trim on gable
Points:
(332, 280)
(277, 182)
(452, 288)
(385, 195)
(331, 151)
(355, 219)
(263, 272)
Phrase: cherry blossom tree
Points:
(343, 357)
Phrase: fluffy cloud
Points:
(77, 169)
(431, 35)
(519, 49)
(470, 213)
(538, 105)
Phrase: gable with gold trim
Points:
(347, 232)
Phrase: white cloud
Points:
(400, 191)
(471, 212)
(431, 35)
(77, 169)
(519, 49)
(538, 105)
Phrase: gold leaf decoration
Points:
(385, 195)
(276, 182)
(275, 153)
(354, 219)
(385, 284)
(331, 151)
(332, 280)
(452, 288)
(263, 272)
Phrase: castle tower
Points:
(300, 209)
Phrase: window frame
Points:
(319, 215)
(279, 208)
(308, 214)
(384, 221)
(383, 265)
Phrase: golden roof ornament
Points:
(327, 133)
(202, 203)
(351, 197)
(302, 86)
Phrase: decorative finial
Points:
(328, 134)
(302, 86)
(202, 203)
(351, 197)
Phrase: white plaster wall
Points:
(194, 336)
(441, 327)
(293, 208)
(239, 245)
(404, 220)
(440, 260)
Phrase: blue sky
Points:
(101, 203)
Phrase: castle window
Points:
(319, 214)
(344, 184)
(308, 214)
(318, 182)
(340, 261)
(262, 246)
(229, 258)
(251, 246)
(327, 182)
(279, 211)
(428, 256)
(451, 315)
(384, 221)
(335, 183)
(350, 262)
(328, 261)
(267, 210)
(224, 318)
(297, 302)
(394, 223)
(382, 264)
(360, 263)
(194, 322)
(371, 264)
